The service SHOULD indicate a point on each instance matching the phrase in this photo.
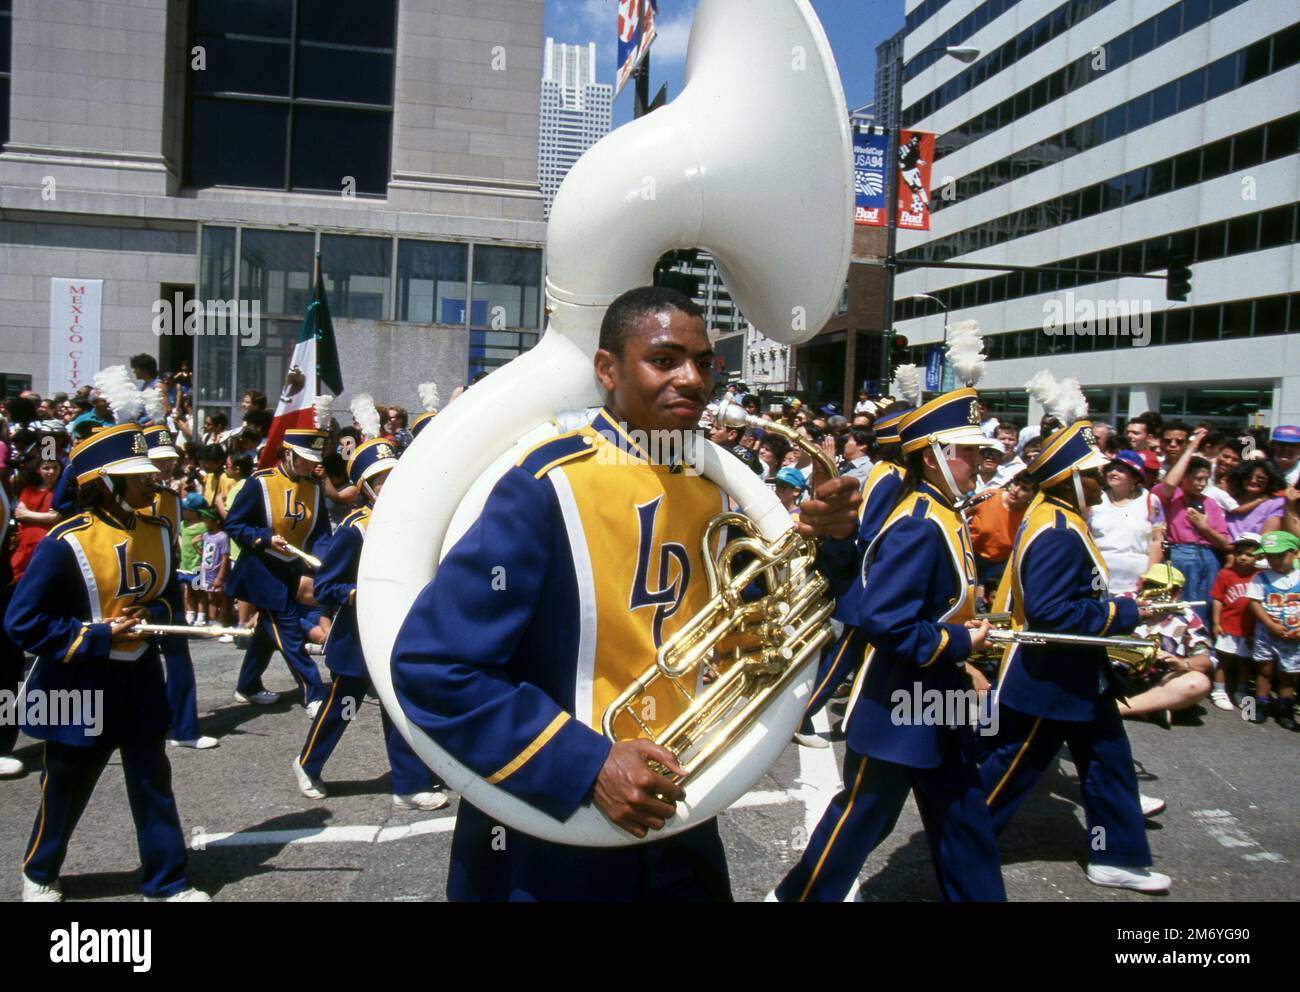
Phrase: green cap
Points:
(1279, 542)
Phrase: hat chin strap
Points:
(370, 493)
(1078, 490)
(949, 481)
(107, 481)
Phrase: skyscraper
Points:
(576, 112)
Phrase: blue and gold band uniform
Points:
(916, 589)
(335, 590)
(182, 692)
(585, 557)
(86, 571)
(1060, 693)
(270, 504)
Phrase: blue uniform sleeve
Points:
(455, 662)
(836, 559)
(877, 504)
(898, 593)
(42, 617)
(1053, 602)
(246, 519)
(337, 577)
(321, 532)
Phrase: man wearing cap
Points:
(917, 613)
(279, 508)
(1285, 446)
(335, 589)
(1061, 693)
(92, 580)
(1185, 665)
(182, 694)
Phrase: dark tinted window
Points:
(220, 153)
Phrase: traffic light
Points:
(1178, 277)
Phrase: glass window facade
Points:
(501, 309)
(311, 79)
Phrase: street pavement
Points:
(1230, 832)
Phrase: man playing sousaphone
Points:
(585, 559)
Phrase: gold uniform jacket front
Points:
(586, 558)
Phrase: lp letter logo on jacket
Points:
(294, 510)
(667, 598)
(137, 577)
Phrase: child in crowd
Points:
(1275, 601)
(239, 467)
(216, 484)
(1233, 622)
(213, 568)
(192, 529)
(789, 486)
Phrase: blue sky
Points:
(855, 28)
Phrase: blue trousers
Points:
(11, 674)
(492, 863)
(951, 801)
(1026, 746)
(1200, 566)
(839, 662)
(182, 695)
(410, 774)
(67, 781)
(280, 631)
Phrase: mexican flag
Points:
(315, 359)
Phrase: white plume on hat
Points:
(907, 384)
(966, 351)
(366, 416)
(428, 396)
(117, 386)
(1062, 399)
(153, 404)
(324, 407)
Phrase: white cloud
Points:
(673, 34)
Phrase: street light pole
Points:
(944, 365)
(963, 53)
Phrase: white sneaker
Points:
(39, 892)
(812, 740)
(201, 743)
(261, 697)
(312, 709)
(189, 617)
(1137, 879)
(308, 786)
(184, 895)
(200, 620)
(1151, 806)
(1220, 699)
(226, 639)
(421, 800)
(11, 767)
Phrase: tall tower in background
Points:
(888, 83)
(576, 112)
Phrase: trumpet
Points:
(183, 630)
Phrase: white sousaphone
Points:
(752, 162)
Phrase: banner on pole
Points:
(636, 31)
(934, 364)
(869, 150)
(74, 333)
(915, 153)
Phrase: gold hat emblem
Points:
(383, 451)
(974, 416)
(138, 445)
(317, 443)
(1089, 438)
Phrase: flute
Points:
(310, 560)
(183, 630)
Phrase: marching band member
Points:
(182, 695)
(278, 507)
(429, 400)
(585, 558)
(92, 580)
(880, 494)
(335, 588)
(1061, 693)
(916, 613)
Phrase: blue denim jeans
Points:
(1200, 566)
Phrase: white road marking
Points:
(764, 798)
(199, 840)
(1223, 827)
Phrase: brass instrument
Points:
(310, 560)
(757, 648)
